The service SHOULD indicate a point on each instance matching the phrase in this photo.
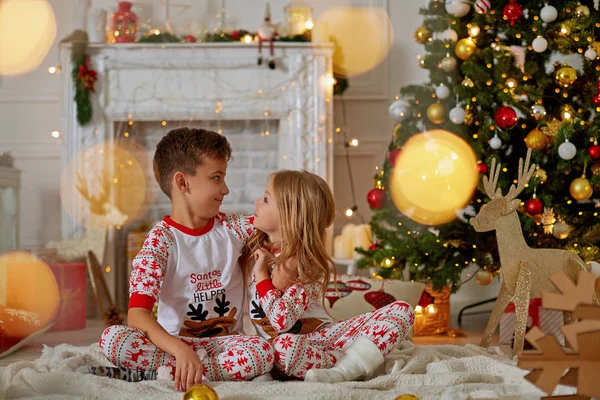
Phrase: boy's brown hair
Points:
(183, 149)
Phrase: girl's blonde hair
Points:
(306, 209)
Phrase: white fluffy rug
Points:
(430, 372)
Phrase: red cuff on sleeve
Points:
(141, 300)
(264, 286)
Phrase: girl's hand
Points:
(261, 264)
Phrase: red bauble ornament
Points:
(594, 151)
(393, 157)
(596, 100)
(482, 168)
(506, 117)
(235, 35)
(512, 12)
(374, 246)
(190, 39)
(534, 206)
(376, 198)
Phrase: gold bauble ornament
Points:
(565, 76)
(541, 174)
(582, 11)
(581, 189)
(596, 46)
(397, 130)
(596, 169)
(422, 34)
(468, 82)
(538, 111)
(561, 230)
(536, 140)
(407, 397)
(437, 113)
(449, 63)
(484, 277)
(422, 62)
(465, 48)
(201, 392)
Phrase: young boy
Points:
(189, 264)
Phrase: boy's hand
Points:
(261, 264)
(188, 369)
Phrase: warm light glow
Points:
(434, 177)
(309, 24)
(156, 32)
(164, 123)
(431, 309)
(54, 70)
(564, 30)
(349, 212)
(107, 269)
(360, 50)
(474, 31)
(418, 310)
(247, 38)
(27, 31)
(354, 142)
(55, 134)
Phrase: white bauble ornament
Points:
(539, 44)
(442, 91)
(567, 150)
(449, 63)
(591, 54)
(458, 8)
(482, 6)
(548, 13)
(495, 143)
(448, 34)
(458, 115)
(399, 110)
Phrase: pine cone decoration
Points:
(113, 316)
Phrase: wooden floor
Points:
(473, 329)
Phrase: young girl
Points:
(289, 278)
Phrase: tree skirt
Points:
(430, 372)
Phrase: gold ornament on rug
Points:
(484, 277)
(541, 174)
(536, 140)
(548, 220)
(422, 34)
(595, 169)
(561, 230)
(465, 48)
(437, 113)
(581, 189)
(525, 271)
(565, 76)
(548, 361)
(551, 129)
(407, 397)
(201, 392)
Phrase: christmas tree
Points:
(494, 82)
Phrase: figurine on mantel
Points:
(267, 33)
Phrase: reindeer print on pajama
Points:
(195, 277)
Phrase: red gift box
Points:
(71, 280)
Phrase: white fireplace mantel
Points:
(211, 82)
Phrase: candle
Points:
(343, 247)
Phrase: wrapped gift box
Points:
(71, 280)
(549, 321)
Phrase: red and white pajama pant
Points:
(230, 358)
(386, 327)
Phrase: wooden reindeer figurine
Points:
(525, 271)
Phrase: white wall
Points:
(30, 111)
